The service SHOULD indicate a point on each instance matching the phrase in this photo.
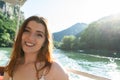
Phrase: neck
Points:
(30, 58)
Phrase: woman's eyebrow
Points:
(27, 27)
(40, 32)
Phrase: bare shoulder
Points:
(59, 72)
(57, 66)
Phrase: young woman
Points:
(31, 56)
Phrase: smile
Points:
(29, 44)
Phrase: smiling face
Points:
(33, 37)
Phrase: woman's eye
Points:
(40, 35)
(26, 30)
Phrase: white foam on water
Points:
(3, 57)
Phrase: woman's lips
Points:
(29, 44)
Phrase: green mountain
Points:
(103, 34)
(73, 30)
(101, 37)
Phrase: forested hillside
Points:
(100, 36)
(72, 30)
(8, 23)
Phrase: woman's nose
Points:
(31, 37)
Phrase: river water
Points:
(101, 66)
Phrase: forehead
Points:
(36, 26)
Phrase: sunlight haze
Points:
(62, 14)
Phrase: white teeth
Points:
(29, 44)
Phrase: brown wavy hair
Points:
(18, 54)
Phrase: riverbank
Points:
(105, 53)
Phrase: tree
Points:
(67, 42)
(7, 31)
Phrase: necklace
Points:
(37, 71)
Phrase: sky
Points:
(62, 14)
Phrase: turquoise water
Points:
(4, 56)
(102, 66)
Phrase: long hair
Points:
(18, 54)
